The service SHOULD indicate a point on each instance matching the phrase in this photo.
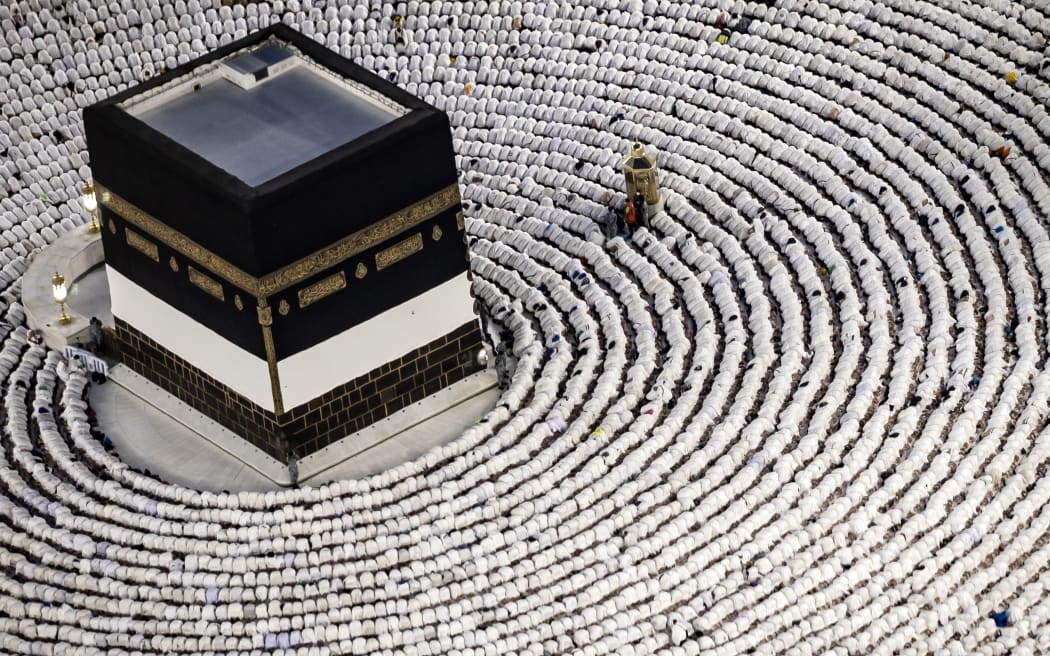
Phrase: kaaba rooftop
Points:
(285, 118)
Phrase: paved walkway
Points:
(89, 295)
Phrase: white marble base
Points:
(169, 451)
(73, 254)
(153, 429)
(409, 432)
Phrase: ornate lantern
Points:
(60, 293)
(87, 198)
(639, 172)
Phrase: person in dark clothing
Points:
(641, 210)
(610, 223)
(95, 331)
(293, 468)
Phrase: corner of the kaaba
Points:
(340, 285)
(353, 187)
(384, 275)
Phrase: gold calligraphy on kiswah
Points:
(399, 251)
(391, 226)
(207, 283)
(318, 290)
(141, 244)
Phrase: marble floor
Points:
(89, 295)
(151, 429)
(148, 438)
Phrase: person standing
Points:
(95, 331)
(293, 468)
(609, 223)
(502, 373)
(641, 211)
(502, 354)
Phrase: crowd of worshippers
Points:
(89, 356)
(43, 455)
(63, 370)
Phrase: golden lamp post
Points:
(87, 198)
(60, 293)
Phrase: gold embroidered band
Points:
(397, 223)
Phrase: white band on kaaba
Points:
(307, 374)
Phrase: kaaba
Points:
(284, 240)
